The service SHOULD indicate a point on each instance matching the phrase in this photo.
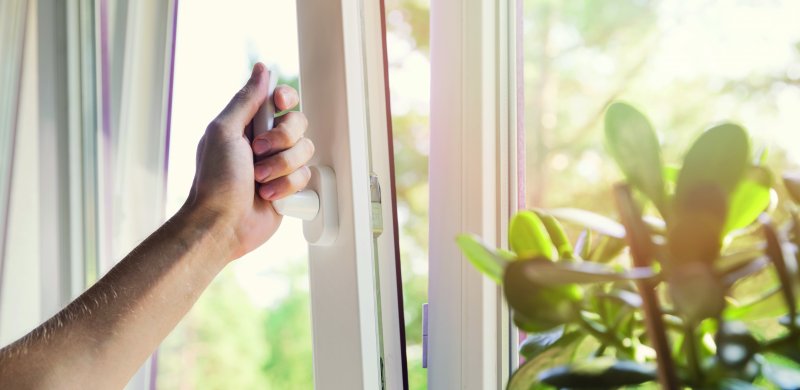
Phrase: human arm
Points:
(101, 338)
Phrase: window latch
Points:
(318, 205)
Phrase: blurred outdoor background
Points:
(686, 64)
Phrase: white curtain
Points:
(92, 130)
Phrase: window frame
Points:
(355, 305)
(473, 184)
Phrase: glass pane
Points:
(408, 49)
(251, 329)
(686, 64)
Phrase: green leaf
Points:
(671, 173)
(603, 372)
(719, 157)
(632, 142)
(482, 258)
(695, 232)
(734, 274)
(592, 221)
(557, 235)
(607, 249)
(528, 237)
(712, 169)
(560, 352)
(750, 198)
(548, 273)
(537, 343)
(737, 384)
(696, 291)
(779, 370)
(625, 297)
(732, 261)
(583, 245)
(767, 305)
(792, 183)
(538, 307)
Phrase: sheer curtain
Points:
(84, 180)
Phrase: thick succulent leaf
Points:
(719, 157)
(592, 221)
(537, 343)
(628, 298)
(671, 173)
(538, 307)
(528, 236)
(731, 261)
(557, 235)
(560, 352)
(548, 273)
(607, 249)
(741, 271)
(751, 197)
(482, 257)
(695, 232)
(603, 372)
(696, 291)
(779, 370)
(583, 245)
(632, 142)
(792, 183)
(768, 305)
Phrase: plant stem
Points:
(641, 249)
(692, 356)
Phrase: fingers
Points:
(244, 105)
(285, 162)
(289, 130)
(286, 185)
(286, 98)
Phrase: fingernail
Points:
(267, 193)
(284, 96)
(257, 69)
(260, 146)
(261, 172)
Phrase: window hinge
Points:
(377, 209)
(424, 335)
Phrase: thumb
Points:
(244, 105)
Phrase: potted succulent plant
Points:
(693, 284)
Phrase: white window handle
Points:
(317, 205)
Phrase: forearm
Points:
(102, 337)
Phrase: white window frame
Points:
(354, 302)
(473, 189)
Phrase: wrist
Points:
(215, 230)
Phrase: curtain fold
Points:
(13, 17)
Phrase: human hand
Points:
(236, 180)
